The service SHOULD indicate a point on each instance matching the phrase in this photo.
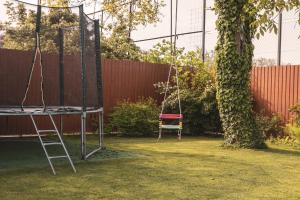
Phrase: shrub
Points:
(291, 136)
(198, 98)
(199, 109)
(296, 109)
(293, 131)
(270, 126)
(135, 119)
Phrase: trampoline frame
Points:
(39, 111)
(62, 110)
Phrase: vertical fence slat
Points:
(274, 88)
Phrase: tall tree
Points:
(238, 23)
(19, 29)
(124, 16)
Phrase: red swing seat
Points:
(170, 116)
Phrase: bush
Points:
(200, 111)
(270, 126)
(135, 119)
(293, 131)
(296, 109)
(198, 99)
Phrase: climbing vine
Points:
(234, 52)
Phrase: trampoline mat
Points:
(53, 110)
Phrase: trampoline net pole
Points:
(98, 64)
(83, 136)
(82, 55)
(61, 74)
(61, 67)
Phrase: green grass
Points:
(195, 168)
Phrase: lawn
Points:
(131, 168)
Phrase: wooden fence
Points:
(122, 80)
(275, 89)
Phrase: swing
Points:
(165, 118)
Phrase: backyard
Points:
(141, 168)
(149, 99)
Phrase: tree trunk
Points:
(234, 54)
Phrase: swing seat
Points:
(170, 116)
(171, 126)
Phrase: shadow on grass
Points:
(28, 153)
(285, 152)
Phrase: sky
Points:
(190, 19)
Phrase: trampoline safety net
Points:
(49, 56)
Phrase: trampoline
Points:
(53, 110)
(59, 73)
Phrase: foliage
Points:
(198, 99)
(290, 137)
(20, 27)
(234, 52)
(271, 126)
(261, 62)
(197, 88)
(199, 110)
(138, 119)
(142, 12)
(296, 109)
(161, 54)
(265, 13)
(192, 72)
(116, 45)
(284, 140)
(56, 3)
(238, 23)
(119, 44)
(293, 131)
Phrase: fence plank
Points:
(275, 89)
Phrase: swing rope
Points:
(173, 63)
(175, 58)
(174, 66)
(37, 51)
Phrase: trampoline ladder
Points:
(60, 143)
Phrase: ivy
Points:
(234, 52)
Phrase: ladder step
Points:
(51, 143)
(55, 157)
(47, 131)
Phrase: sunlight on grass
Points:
(139, 168)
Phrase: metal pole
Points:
(130, 19)
(61, 126)
(61, 67)
(171, 27)
(82, 58)
(279, 39)
(83, 136)
(203, 29)
(102, 24)
(100, 129)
